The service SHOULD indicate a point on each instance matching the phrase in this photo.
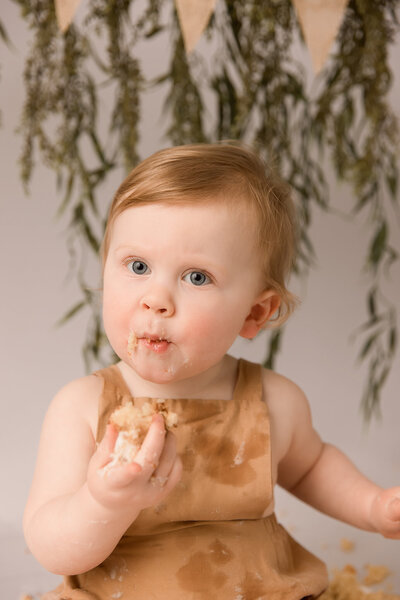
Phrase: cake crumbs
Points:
(376, 574)
(345, 585)
(238, 592)
(347, 545)
(238, 460)
(132, 343)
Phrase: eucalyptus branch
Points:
(379, 347)
(355, 114)
(184, 101)
(124, 71)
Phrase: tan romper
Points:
(208, 540)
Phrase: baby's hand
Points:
(134, 486)
(385, 513)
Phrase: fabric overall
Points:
(208, 540)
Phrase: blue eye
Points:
(197, 278)
(138, 266)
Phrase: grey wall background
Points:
(37, 358)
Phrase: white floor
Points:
(324, 537)
(19, 572)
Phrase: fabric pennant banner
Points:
(320, 21)
(194, 16)
(65, 12)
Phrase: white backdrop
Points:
(37, 358)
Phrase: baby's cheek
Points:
(209, 332)
(116, 324)
(200, 326)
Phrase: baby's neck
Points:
(217, 383)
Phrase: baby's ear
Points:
(264, 307)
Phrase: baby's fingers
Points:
(393, 510)
(149, 454)
(121, 475)
(388, 513)
(102, 456)
(167, 458)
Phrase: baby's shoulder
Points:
(77, 400)
(79, 390)
(278, 389)
(288, 407)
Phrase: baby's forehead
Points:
(233, 204)
(220, 214)
(195, 212)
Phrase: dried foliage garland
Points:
(260, 96)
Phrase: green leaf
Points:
(392, 183)
(71, 313)
(4, 36)
(392, 340)
(67, 194)
(274, 346)
(372, 304)
(368, 345)
(378, 245)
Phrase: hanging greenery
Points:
(6, 40)
(259, 94)
(353, 115)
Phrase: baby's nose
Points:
(159, 301)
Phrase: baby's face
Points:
(179, 282)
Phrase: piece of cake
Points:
(133, 424)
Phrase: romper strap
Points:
(249, 382)
(114, 391)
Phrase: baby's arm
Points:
(77, 511)
(324, 477)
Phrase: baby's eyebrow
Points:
(129, 248)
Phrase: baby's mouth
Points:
(151, 342)
(158, 345)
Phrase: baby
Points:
(198, 246)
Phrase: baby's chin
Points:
(160, 374)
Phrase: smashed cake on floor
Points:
(345, 585)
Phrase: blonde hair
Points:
(228, 172)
